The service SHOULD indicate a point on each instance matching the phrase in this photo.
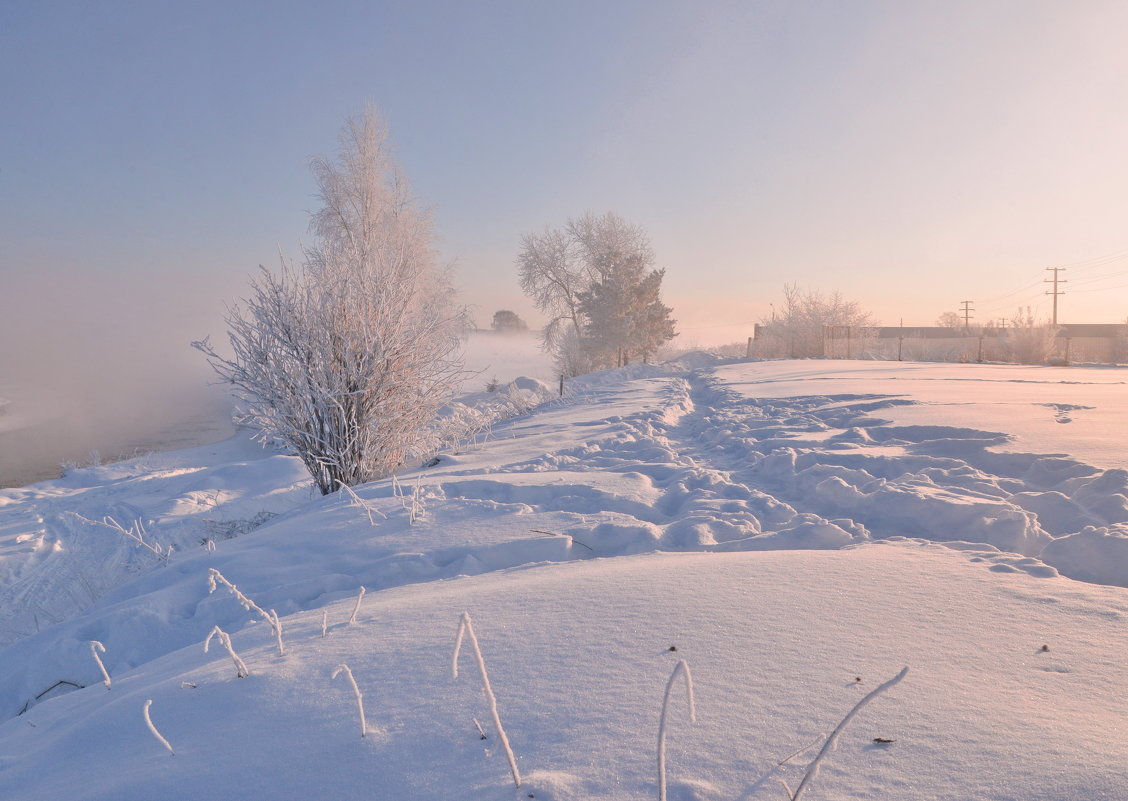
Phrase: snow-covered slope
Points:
(781, 532)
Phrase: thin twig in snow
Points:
(794, 754)
(359, 598)
(356, 692)
(681, 667)
(356, 501)
(277, 632)
(813, 768)
(466, 626)
(271, 617)
(95, 647)
(225, 638)
(153, 729)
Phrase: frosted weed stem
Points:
(681, 667)
(215, 578)
(357, 501)
(277, 624)
(828, 746)
(359, 598)
(153, 729)
(225, 638)
(356, 692)
(95, 647)
(466, 626)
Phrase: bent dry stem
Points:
(682, 667)
(828, 746)
(466, 626)
(153, 729)
(95, 647)
(225, 638)
(356, 694)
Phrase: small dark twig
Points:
(56, 684)
(558, 534)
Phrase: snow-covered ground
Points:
(798, 532)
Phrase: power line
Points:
(1096, 261)
(1095, 278)
(1098, 289)
(994, 298)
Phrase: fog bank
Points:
(91, 363)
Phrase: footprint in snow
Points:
(1062, 410)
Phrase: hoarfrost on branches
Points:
(595, 280)
(345, 357)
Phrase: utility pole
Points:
(1055, 281)
(967, 310)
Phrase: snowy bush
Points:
(1030, 341)
(799, 330)
(345, 357)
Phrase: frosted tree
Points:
(595, 279)
(508, 322)
(950, 319)
(799, 329)
(345, 357)
(553, 275)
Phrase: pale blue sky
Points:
(912, 155)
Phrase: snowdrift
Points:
(786, 533)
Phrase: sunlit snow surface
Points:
(801, 506)
(1080, 411)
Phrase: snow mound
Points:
(781, 645)
(812, 538)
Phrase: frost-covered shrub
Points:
(345, 357)
(1030, 341)
(799, 329)
(216, 530)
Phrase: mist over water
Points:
(105, 393)
(103, 366)
(38, 451)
